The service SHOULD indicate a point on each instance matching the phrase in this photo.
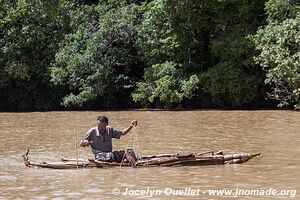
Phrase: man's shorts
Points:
(117, 156)
(105, 156)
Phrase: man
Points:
(99, 138)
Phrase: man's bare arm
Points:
(85, 143)
(131, 125)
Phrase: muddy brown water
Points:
(50, 136)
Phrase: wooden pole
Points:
(76, 148)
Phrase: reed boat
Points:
(162, 160)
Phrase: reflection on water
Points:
(50, 136)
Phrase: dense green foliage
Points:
(30, 35)
(157, 53)
(279, 51)
(97, 60)
(198, 49)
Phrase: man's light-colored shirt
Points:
(102, 143)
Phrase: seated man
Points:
(99, 138)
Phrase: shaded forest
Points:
(176, 54)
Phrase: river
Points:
(50, 135)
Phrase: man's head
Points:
(102, 122)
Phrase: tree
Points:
(234, 80)
(200, 41)
(166, 79)
(164, 83)
(30, 33)
(97, 61)
(228, 85)
(278, 44)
